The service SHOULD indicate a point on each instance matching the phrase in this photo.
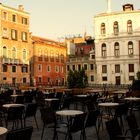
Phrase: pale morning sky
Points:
(54, 19)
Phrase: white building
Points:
(117, 45)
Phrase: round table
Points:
(69, 112)
(3, 132)
(12, 105)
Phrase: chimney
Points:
(20, 7)
(108, 6)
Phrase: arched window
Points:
(129, 26)
(4, 52)
(116, 49)
(103, 50)
(24, 54)
(14, 53)
(103, 30)
(116, 28)
(130, 48)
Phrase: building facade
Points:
(48, 66)
(117, 41)
(81, 55)
(14, 45)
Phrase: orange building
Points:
(49, 62)
(15, 45)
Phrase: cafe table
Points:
(108, 107)
(3, 133)
(70, 114)
(12, 105)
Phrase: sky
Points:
(57, 19)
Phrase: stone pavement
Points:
(90, 132)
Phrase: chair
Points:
(75, 124)
(121, 111)
(48, 117)
(20, 134)
(55, 105)
(133, 126)
(66, 103)
(59, 95)
(51, 95)
(19, 99)
(30, 111)
(92, 120)
(114, 130)
(14, 114)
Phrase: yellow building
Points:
(15, 45)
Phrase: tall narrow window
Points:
(46, 55)
(130, 48)
(24, 54)
(4, 52)
(116, 49)
(104, 68)
(5, 33)
(116, 28)
(14, 18)
(117, 68)
(103, 31)
(14, 53)
(129, 26)
(14, 34)
(24, 36)
(24, 20)
(131, 67)
(5, 16)
(39, 55)
(103, 50)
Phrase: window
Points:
(24, 36)
(52, 56)
(73, 67)
(57, 69)
(46, 55)
(14, 34)
(13, 68)
(91, 66)
(24, 54)
(103, 50)
(4, 52)
(4, 78)
(103, 31)
(24, 69)
(117, 68)
(62, 58)
(4, 68)
(24, 20)
(5, 15)
(92, 78)
(79, 67)
(40, 67)
(24, 80)
(68, 67)
(40, 79)
(85, 66)
(129, 27)
(14, 18)
(48, 68)
(116, 28)
(5, 33)
(104, 78)
(14, 53)
(116, 49)
(104, 68)
(130, 48)
(39, 55)
(131, 67)
(57, 57)
(93, 56)
(48, 79)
